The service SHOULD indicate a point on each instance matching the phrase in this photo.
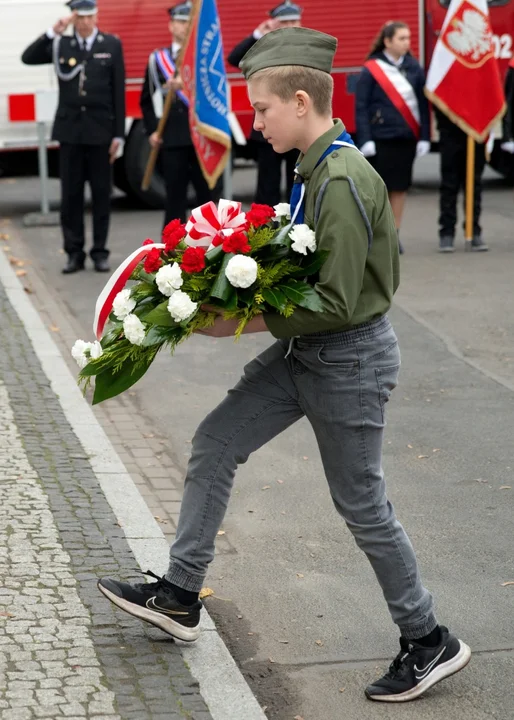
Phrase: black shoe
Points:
(416, 668)
(73, 265)
(102, 265)
(478, 245)
(156, 603)
(446, 244)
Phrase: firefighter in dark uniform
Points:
(89, 124)
(269, 163)
(178, 156)
(508, 119)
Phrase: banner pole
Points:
(470, 190)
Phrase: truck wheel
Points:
(502, 162)
(137, 151)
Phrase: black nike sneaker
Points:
(416, 668)
(156, 603)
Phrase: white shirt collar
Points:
(89, 40)
(397, 63)
(175, 48)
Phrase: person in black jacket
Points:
(179, 161)
(89, 124)
(508, 118)
(269, 163)
(393, 126)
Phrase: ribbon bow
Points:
(208, 222)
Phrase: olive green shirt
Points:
(356, 225)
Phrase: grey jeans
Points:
(341, 383)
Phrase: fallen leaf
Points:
(160, 520)
(299, 575)
(284, 642)
(239, 617)
(266, 487)
(480, 480)
(21, 273)
(319, 643)
(435, 450)
(76, 667)
(282, 512)
(271, 660)
(221, 532)
(6, 248)
(205, 592)
(280, 482)
(148, 435)
(420, 457)
(4, 236)
(251, 633)
(28, 290)
(305, 457)
(298, 717)
(341, 689)
(409, 446)
(505, 487)
(54, 328)
(7, 614)
(509, 582)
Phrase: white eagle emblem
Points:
(471, 36)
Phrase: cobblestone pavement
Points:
(64, 650)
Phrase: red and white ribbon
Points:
(116, 283)
(208, 221)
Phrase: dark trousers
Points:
(78, 164)
(453, 146)
(180, 166)
(269, 165)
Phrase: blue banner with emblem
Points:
(206, 88)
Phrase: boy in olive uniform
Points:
(337, 368)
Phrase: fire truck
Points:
(142, 26)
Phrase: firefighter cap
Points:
(83, 7)
(286, 11)
(290, 46)
(181, 11)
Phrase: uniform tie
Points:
(298, 192)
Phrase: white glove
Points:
(508, 146)
(369, 149)
(422, 148)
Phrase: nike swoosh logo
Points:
(423, 672)
(151, 605)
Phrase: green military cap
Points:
(290, 46)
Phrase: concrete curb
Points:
(222, 685)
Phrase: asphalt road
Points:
(297, 602)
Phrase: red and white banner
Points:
(463, 79)
(399, 91)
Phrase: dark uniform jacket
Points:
(234, 58)
(176, 131)
(375, 115)
(95, 113)
(508, 118)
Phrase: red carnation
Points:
(259, 215)
(193, 260)
(236, 243)
(173, 234)
(148, 241)
(153, 261)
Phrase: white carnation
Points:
(123, 304)
(241, 271)
(282, 210)
(303, 239)
(96, 350)
(78, 353)
(169, 278)
(180, 306)
(134, 329)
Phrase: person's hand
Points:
(174, 83)
(154, 140)
(369, 149)
(227, 328)
(422, 148)
(61, 25)
(267, 26)
(113, 149)
(508, 146)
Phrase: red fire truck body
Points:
(142, 26)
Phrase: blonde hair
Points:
(286, 80)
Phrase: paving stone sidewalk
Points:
(64, 650)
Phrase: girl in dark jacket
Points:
(392, 118)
